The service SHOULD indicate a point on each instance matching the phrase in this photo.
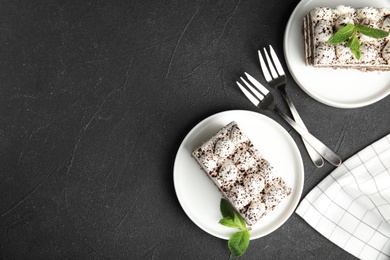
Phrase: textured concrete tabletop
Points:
(95, 100)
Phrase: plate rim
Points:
(298, 164)
(356, 104)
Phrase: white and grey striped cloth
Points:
(351, 206)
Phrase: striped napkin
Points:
(351, 206)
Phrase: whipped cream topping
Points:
(323, 31)
(224, 148)
(255, 211)
(385, 11)
(343, 9)
(254, 184)
(266, 171)
(386, 25)
(343, 21)
(322, 13)
(244, 160)
(228, 172)
(325, 54)
(237, 137)
(239, 197)
(274, 196)
(370, 13)
(344, 53)
(386, 52)
(209, 161)
(368, 53)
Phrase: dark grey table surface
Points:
(96, 98)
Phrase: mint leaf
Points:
(342, 34)
(226, 209)
(228, 222)
(238, 243)
(372, 32)
(354, 45)
(239, 221)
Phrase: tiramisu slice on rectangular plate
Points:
(320, 24)
(244, 177)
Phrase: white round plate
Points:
(343, 88)
(198, 195)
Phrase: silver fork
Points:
(276, 78)
(263, 99)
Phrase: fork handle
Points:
(321, 148)
(313, 154)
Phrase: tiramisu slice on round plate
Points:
(365, 46)
(244, 177)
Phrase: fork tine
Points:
(260, 87)
(275, 58)
(251, 97)
(270, 65)
(264, 68)
(254, 91)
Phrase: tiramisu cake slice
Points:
(244, 177)
(322, 22)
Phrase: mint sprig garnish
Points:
(349, 33)
(239, 241)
